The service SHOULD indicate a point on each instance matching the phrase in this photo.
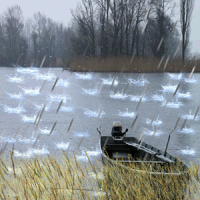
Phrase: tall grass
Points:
(126, 64)
(49, 178)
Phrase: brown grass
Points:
(118, 64)
(66, 178)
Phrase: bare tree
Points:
(84, 17)
(13, 25)
(186, 7)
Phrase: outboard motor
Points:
(117, 131)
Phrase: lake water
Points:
(84, 96)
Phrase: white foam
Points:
(108, 81)
(17, 110)
(169, 88)
(63, 83)
(86, 76)
(187, 130)
(27, 70)
(58, 98)
(159, 98)
(15, 96)
(118, 95)
(140, 82)
(45, 131)
(99, 194)
(189, 117)
(127, 114)
(156, 122)
(15, 79)
(183, 95)
(149, 132)
(175, 76)
(31, 152)
(46, 76)
(83, 157)
(62, 145)
(100, 176)
(28, 119)
(35, 91)
(81, 134)
(7, 139)
(26, 140)
(39, 107)
(173, 104)
(90, 91)
(90, 113)
(136, 98)
(192, 80)
(188, 151)
(66, 109)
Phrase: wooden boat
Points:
(129, 152)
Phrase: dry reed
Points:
(49, 178)
(142, 65)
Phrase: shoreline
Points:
(129, 65)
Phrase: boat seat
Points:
(121, 155)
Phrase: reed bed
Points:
(127, 64)
(66, 178)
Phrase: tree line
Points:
(143, 28)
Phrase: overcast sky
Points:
(60, 10)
